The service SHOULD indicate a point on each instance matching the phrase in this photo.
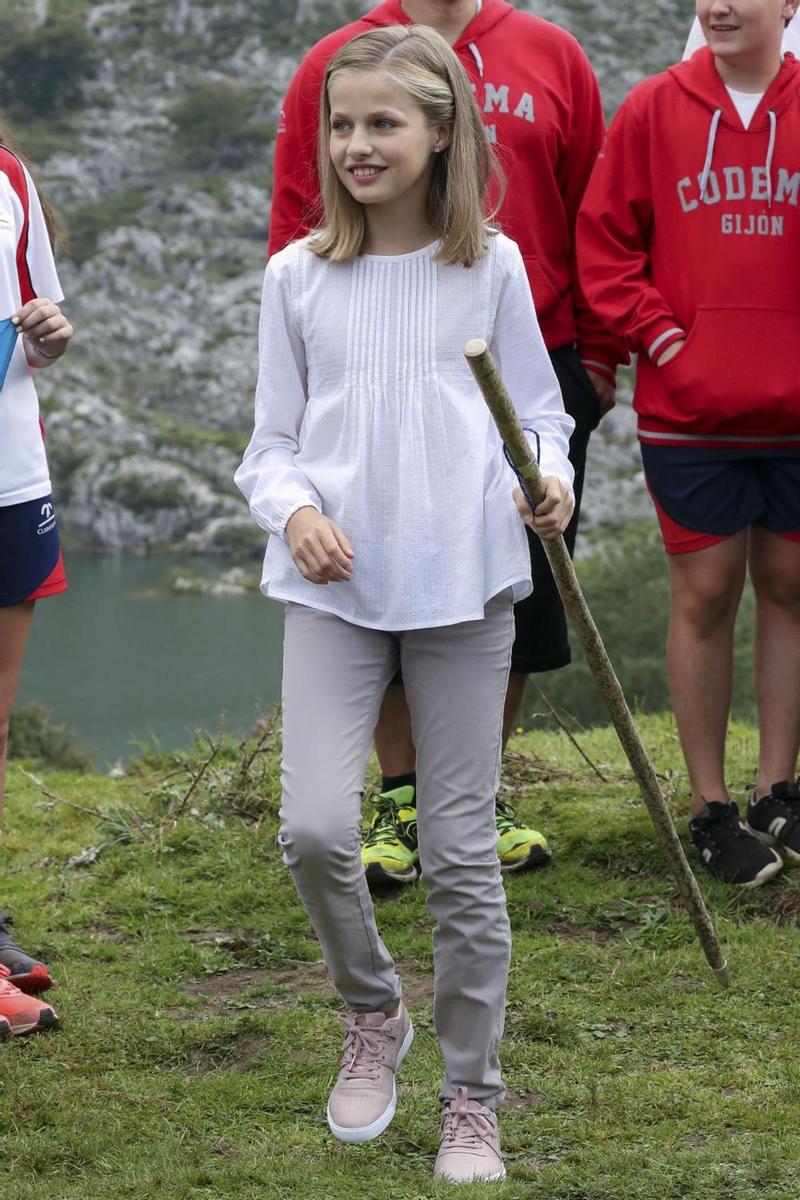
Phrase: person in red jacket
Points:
(688, 241)
(541, 106)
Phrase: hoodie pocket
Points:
(737, 373)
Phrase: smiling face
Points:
(381, 145)
(742, 30)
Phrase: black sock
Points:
(390, 782)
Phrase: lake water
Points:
(121, 660)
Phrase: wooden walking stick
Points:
(499, 402)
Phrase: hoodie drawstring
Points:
(773, 129)
(712, 137)
(476, 54)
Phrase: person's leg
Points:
(31, 567)
(456, 680)
(334, 676)
(15, 623)
(389, 852)
(775, 572)
(515, 693)
(706, 500)
(541, 642)
(706, 586)
(18, 1013)
(393, 741)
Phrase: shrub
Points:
(144, 495)
(42, 70)
(33, 735)
(87, 222)
(213, 126)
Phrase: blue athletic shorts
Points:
(31, 563)
(704, 495)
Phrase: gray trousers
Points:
(334, 677)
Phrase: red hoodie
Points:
(541, 103)
(691, 226)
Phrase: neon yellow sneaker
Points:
(518, 847)
(389, 852)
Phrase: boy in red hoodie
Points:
(541, 106)
(688, 244)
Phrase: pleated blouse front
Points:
(366, 410)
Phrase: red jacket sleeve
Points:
(295, 189)
(599, 349)
(613, 239)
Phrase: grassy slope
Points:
(199, 1035)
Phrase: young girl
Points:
(688, 244)
(35, 333)
(515, 62)
(375, 467)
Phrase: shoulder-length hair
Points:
(420, 61)
(49, 215)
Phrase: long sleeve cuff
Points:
(600, 368)
(603, 358)
(283, 515)
(658, 335)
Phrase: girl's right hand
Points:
(553, 512)
(321, 552)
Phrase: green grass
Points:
(199, 1034)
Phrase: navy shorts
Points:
(704, 495)
(31, 563)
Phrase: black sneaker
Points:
(26, 973)
(729, 851)
(775, 818)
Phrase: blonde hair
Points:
(420, 61)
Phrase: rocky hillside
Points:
(151, 122)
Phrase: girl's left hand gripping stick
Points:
(519, 452)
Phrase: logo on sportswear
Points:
(738, 184)
(499, 98)
(48, 521)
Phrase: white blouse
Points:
(27, 270)
(367, 410)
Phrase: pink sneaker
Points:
(470, 1145)
(20, 1013)
(364, 1097)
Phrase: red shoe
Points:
(21, 1013)
(26, 973)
